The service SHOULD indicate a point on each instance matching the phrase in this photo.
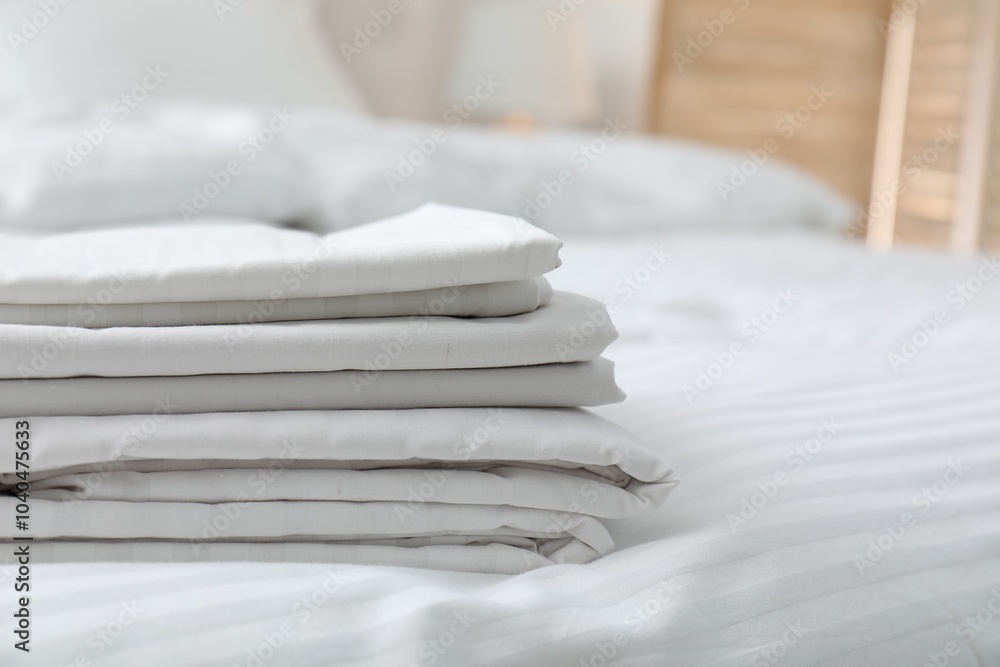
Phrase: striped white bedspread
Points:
(836, 506)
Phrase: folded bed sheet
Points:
(479, 489)
(431, 248)
(405, 393)
(579, 384)
(488, 300)
(481, 555)
(570, 328)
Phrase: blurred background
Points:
(900, 76)
(888, 104)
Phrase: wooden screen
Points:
(911, 130)
(936, 168)
(755, 61)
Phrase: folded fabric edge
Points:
(481, 300)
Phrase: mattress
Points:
(832, 416)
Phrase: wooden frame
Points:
(884, 201)
(906, 74)
(979, 141)
(758, 63)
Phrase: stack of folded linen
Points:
(406, 392)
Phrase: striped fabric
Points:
(831, 510)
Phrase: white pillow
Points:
(60, 170)
(254, 52)
(563, 181)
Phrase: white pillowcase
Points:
(62, 168)
(631, 184)
(115, 79)
(261, 53)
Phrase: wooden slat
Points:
(941, 73)
(918, 231)
(762, 67)
(948, 41)
(891, 135)
(980, 137)
(928, 207)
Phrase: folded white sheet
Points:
(484, 483)
(570, 328)
(341, 485)
(487, 300)
(560, 440)
(560, 537)
(432, 247)
(484, 555)
(579, 384)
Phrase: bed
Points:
(832, 415)
(833, 509)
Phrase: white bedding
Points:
(683, 587)
(487, 300)
(517, 489)
(329, 171)
(431, 247)
(570, 328)
(578, 384)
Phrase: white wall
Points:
(406, 70)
